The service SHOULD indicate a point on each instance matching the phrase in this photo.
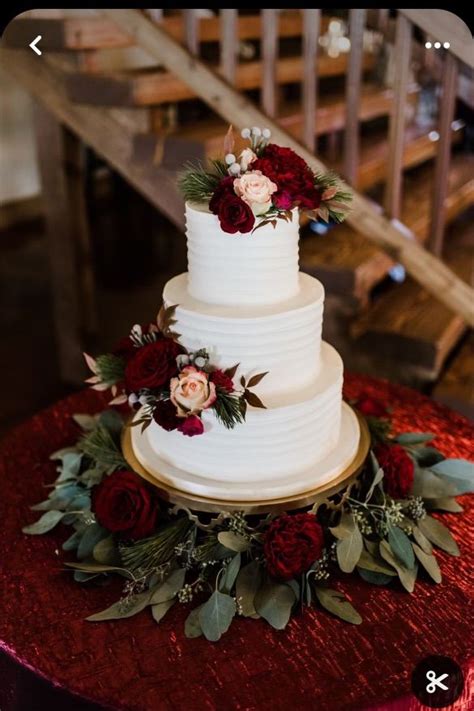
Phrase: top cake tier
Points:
(255, 268)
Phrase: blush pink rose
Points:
(256, 190)
(191, 392)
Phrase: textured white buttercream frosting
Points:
(273, 445)
(255, 268)
(283, 339)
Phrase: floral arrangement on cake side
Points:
(380, 528)
(150, 369)
(264, 184)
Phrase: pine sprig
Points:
(150, 553)
(110, 368)
(228, 408)
(100, 446)
(198, 184)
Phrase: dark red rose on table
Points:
(221, 380)
(165, 415)
(153, 365)
(398, 469)
(370, 407)
(191, 426)
(292, 544)
(123, 503)
(235, 215)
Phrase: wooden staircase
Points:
(115, 95)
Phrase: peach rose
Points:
(256, 190)
(191, 391)
(246, 157)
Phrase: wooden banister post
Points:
(269, 45)
(393, 189)
(229, 44)
(353, 82)
(191, 30)
(311, 24)
(443, 155)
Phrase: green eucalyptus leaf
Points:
(401, 546)
(231, 571)
(426, 456)
(47, 522)
(91, 536)
(60, 453)
(348, 550)
(376, 481)
(233, 541)
(92, 477)
(438, 534)
(123, 608)
(414, 437)
(346, 526)
(372, 547)
(73, 541)
(375, 564)
(82, 577)
(370, 576)
(192, 626)
(106, 552)
(159, 611)
(459, 471)
(429, 563)
(87, 423)
(248, 582)
(112, 421)
(429, 485)
(336, 603)
(168, 589)
(407, 575)
(98, 568)
(444, 504)
(274, 602)
(215, 616)
(422, 540)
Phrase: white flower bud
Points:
(200, 362)
(234, 169)
(230, 158)
(132, 399)
(245, 133)
(256, 131)
(143, 399)
(266, 133)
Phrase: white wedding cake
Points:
(245, 301)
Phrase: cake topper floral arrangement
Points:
(264, 184)
(150, 369)
(379, 528)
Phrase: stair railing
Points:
(233, 106)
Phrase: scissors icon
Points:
(435, 681)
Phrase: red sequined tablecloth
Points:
(318, 662)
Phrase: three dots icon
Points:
(437, 45)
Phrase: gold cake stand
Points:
(209, 505)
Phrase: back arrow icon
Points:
(34, 47)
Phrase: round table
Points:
(53, 659)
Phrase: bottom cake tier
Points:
(282, 450)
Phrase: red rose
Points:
(165, 415)
(398, 469)
(370, 407)
(222, 381)
(293, 176)
(123, 503)
(224, 189)
(191, 426)
(235, 215)
(292, 543)
(153, 365)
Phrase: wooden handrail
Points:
(445, 26)
(241, 112)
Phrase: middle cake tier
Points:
(283, 339)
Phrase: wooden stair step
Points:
(99, 32)
(409, 324)
(349, 264)
(455, 387)
(421, 144)
(146, 88)
(330, 116)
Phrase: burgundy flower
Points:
(153, 365)
(398, 469)
(370, 407)
(293, 176)
(165, 415)
(191, 426)
(221, 380)
(235, 215)
(224, 189)
(123, 503)
(126, 348)
(292, 543)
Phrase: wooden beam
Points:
(353, 84)
(241, 112)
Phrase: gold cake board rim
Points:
(211, 505)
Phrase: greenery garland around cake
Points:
(152, 372)
(264, 184)
(380, 528)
